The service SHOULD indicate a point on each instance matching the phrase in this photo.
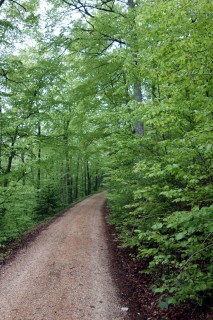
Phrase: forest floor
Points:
(74, 269)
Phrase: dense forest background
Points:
(118, 94)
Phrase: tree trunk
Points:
(76, 179)
(138, 126)
(67, 174)
(10, 159)
(85, 179)
(1, 137)
(70, 198)
(89, 185)
(96, 181)
(39, 159)
(8, 169)
(23, 173)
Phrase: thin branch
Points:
(90, 23)
(4, 74)
(69, 4)
(107, 37)
(83, 8)
(198, 251)
(19, 5)
(80, 7)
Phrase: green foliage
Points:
(48, 202)
(179, 248)
(69, 115)
(46, 161)
(17, 203)
(166, 214)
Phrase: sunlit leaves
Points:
(172, 172)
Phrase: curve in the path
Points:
(64, 274)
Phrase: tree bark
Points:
(23, 173)
(11, 156)
(39, 159)
(89, 185)
(85, 179)
(76, 178)
(1, 137)
(67, 174)
(138, 126)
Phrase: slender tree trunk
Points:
(67, 175)
(82, 183)
(96, 181)
(1, 137)
(65, 186)
(76, 178)
(39, 159)
(10, 158)
(68, 184)
(8, 169)
(85, 179)
(138, 96)
(139, 127)
(23, 174)
(70, 189)
(89, 184)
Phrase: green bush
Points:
(48, 202)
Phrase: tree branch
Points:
(80, 7)
(83, 8)
(20, 5)
(4, 74)
(107, 37)
(1, 2)
(198, 251)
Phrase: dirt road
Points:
(64, 274)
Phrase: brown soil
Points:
(64, 274)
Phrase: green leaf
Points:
(180, 235)
(157, 226)
(163, 304)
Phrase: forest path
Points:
(65, 273)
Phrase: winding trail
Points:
(65, 273)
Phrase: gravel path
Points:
(65, 273)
